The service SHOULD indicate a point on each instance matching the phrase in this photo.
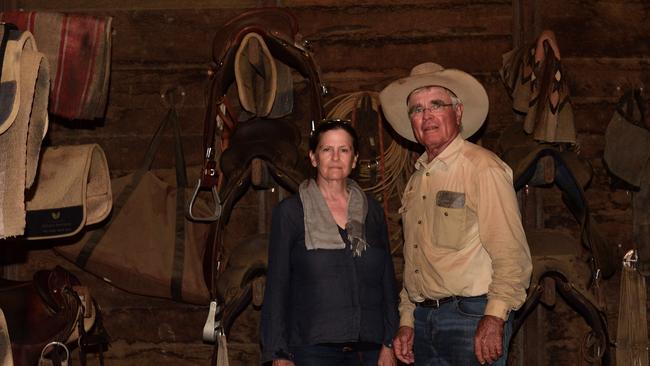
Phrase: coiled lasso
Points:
(393, 164)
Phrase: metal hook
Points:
(630, 259)
(172, 96)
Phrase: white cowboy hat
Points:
(469, 90)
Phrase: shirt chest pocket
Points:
(449, 218)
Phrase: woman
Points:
(330, 295)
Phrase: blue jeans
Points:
(352, 354)
(445, 336)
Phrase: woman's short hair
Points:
(333, 124)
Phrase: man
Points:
(467, 262)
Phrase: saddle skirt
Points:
(627, 140)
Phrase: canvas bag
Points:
(147, 246)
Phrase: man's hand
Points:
(403, 344)
(282, 363)
(488, 340)
(386, 357)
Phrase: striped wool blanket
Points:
(78, 48)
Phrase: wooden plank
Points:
(173, 36)
(178, 323)
(593, 118)
(593, 79)
(128, 121)
(123, 352)
(99, 5)
(468, 54)
(599, 28)
(125, 152)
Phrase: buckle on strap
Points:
(435, 303)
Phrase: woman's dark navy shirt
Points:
(323, 295)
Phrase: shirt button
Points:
(424, 197)
(446, 214)
(419, 221)
(417, 271)
(415, 246)
(427, 174)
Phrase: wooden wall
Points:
(359, 45)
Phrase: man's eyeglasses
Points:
(436, 106)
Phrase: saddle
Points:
(557, 264)
(243, 280)
(278, 29)
(247, 140)
(47, 309)
(538, 164)
(557, 268)
(274, 141)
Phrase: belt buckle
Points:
(347, 349)
(436, 303)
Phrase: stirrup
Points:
(217, 205)
(212, 327)
(53, 345)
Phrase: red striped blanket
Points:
(78, 48)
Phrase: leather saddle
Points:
(558, 269)
(557, 264)
(538, 164)
(279, 30)
(275, 142)
(46, 309)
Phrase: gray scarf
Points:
(321, 231)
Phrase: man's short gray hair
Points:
(454, 99)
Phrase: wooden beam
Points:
(526, 21)
(103, 5)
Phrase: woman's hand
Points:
(282, 363)
(386, 357)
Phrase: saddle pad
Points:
(256, 75)
(627, 149)
(20, 142)
(73, 189)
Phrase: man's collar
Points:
(445, 157)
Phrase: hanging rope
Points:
(393, 162)
(632, 332)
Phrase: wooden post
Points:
(526, 21)
(526, 25)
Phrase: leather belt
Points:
(435, 303)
